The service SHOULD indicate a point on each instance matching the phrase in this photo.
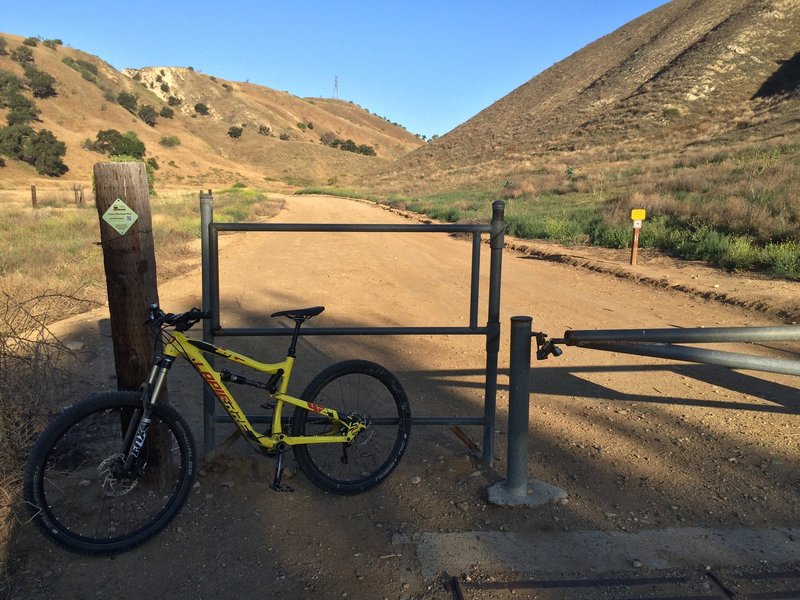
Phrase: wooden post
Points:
(130, 267)
(33, 196)
(635, 246)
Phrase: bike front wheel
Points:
(78, 489)
(355, 389)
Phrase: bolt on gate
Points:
(491, 331)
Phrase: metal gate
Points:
(491, 331)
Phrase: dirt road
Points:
(637, 444)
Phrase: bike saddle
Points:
(299, 314)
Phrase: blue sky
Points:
(427, 65)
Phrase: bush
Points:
(45, 152)
(148, 114)
(284, 136)
(22, 54)
(264, 130)
(10, 85)
(31, 41)
(169, 141)
(166, 112)
(127, 101)
(164, 87)
(12, 140)
(21, 110)
(114, 143)
(3, 46)
(173, 101)
(235, 132)
(201, 109)
(41, 84)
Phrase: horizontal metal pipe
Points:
(732, 360)
(786, 333)
(354, 228)
(283, 331)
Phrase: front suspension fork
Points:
(137, 430)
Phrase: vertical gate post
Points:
(496, 243)
(517, 489)
(33, 196)
(209, 402)
(130, 267)
(519, 406)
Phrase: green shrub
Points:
(41, 84)
(169, 141)
(782, 259)
(22, 54)
(21, 110)
(148, 114)
(173, 101)
(114, 143)
(235, 132)
(166, 112)
(201, 109)
(31, 41)
(127, 101)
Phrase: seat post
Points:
(298, 321)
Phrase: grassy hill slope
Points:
(287, 149)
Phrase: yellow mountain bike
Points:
(113, 470)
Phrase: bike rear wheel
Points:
(371, 393)
(76, 486)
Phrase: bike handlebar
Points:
(181, 321)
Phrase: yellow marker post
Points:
(637, 216)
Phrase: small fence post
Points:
(496, 243)
(33, 196)
(130, 268)
(209, 401)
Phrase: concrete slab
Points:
(597, 552)
(538, 493)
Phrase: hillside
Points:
(690, 73)
(280, 133)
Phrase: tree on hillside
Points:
(201, 108)
(10, 85)
(41, 84)
(148, 114)
(42, 150)
(114, 143)
(45, 152)
(12, 140)
(21, 110)
(127, 101)
(22, 54)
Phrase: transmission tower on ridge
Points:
(335, 87)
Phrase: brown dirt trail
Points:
(637, 443)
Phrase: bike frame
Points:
(343, 430)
